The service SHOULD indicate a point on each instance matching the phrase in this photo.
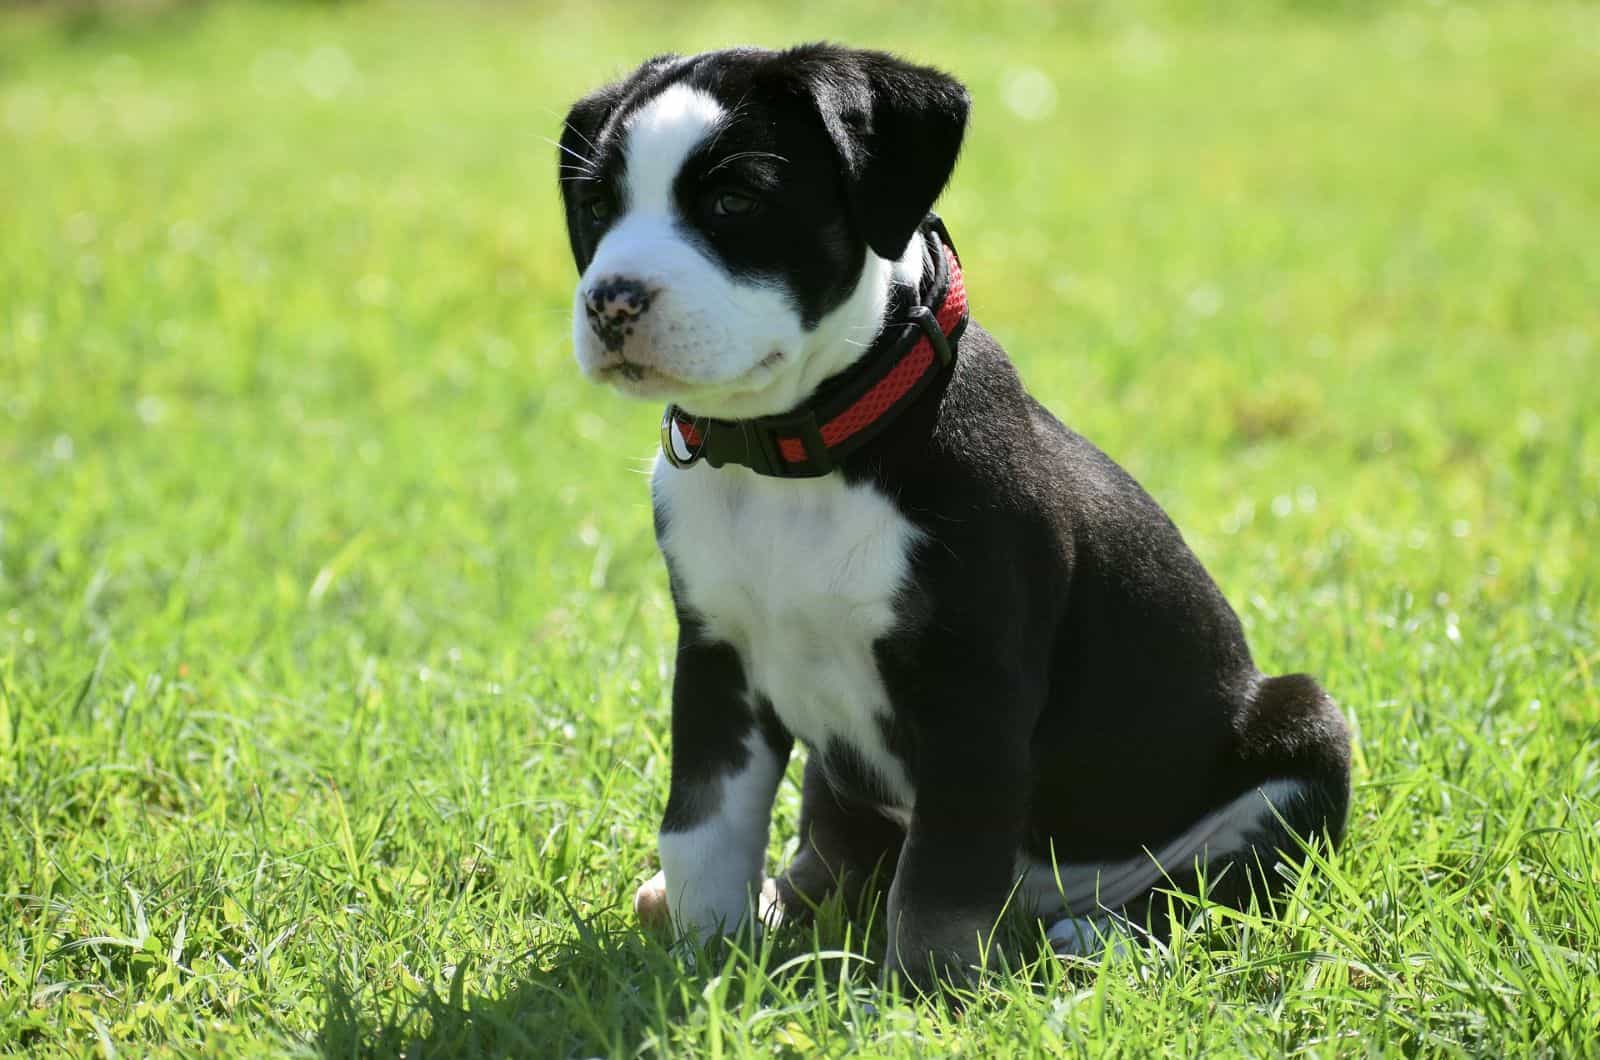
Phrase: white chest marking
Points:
(801, 577)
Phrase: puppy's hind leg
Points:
(1237, 851)
(1078, 900)
(1294, 750)
(1292, 735)
(1290, 766)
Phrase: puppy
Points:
(1014, 681)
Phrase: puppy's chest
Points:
(801, 577)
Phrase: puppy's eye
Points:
(734, 204)
(599, 209)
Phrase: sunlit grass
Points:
(333, 645)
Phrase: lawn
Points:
(334, 649)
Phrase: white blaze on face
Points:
(661, 136)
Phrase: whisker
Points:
(579, 134)
(727, 122)
(563, 147)
(736, 156)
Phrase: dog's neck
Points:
(856, 397)
(841, 337)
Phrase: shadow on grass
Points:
(599, 993)
(607, 992)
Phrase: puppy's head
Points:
(737, 217)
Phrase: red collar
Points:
(853, 408)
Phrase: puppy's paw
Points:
(650, 903)
(1089, 937)
(929, 955)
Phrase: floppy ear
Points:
(898, 129)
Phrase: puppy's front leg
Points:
(958, 864)
(728, 755)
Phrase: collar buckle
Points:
(674, 446)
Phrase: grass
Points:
(333, 645)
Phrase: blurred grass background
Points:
(333, 643)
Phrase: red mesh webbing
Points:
(892, 387)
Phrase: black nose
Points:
(612, 305)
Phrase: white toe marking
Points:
(769, 910)
(1079, 936)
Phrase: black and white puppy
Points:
(1015, 681)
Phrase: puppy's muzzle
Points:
(613, 305)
